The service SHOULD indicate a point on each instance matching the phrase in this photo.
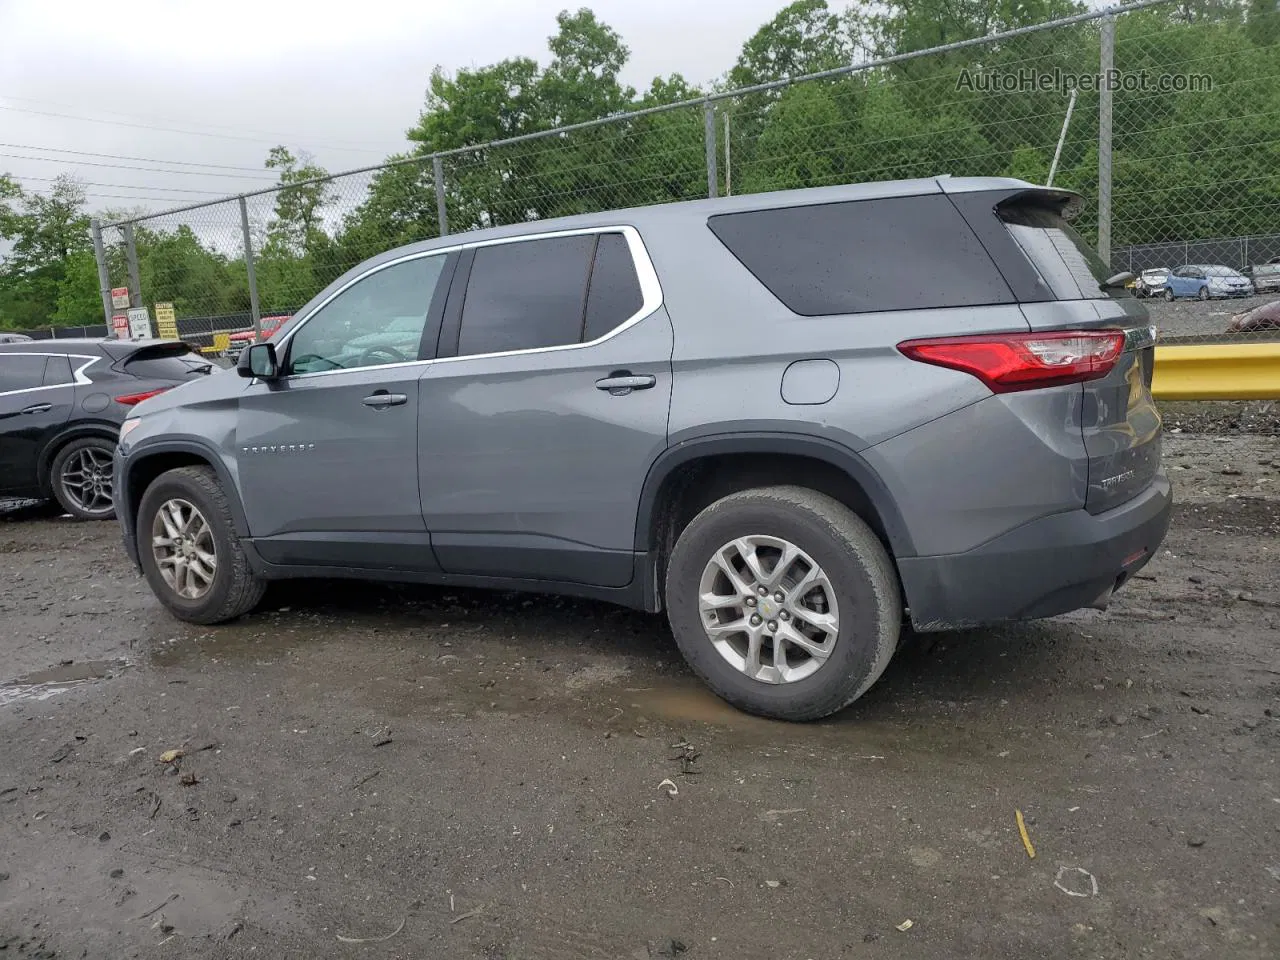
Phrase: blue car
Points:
(1205, 281)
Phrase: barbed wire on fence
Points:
(1185, 169)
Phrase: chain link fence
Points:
(1161, 115)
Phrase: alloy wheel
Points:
(86, 481)
(769, 609)
(183, 547)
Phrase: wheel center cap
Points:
(768, 608)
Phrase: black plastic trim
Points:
(524, 556)
(777, 443)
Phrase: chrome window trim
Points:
(77, 373)
(650, 292)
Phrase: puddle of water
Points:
(43, 684)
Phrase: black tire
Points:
(1203, 294)
(235, 589)
(1168, 294)
(861, 574)
(77, 497)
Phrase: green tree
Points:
(43, 232)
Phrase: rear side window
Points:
(21, 372)
(615, 295)
(58, 371)
(1071, 267)
(176, 363)
(899, 253)
(527, 294)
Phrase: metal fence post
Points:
(709, 119)
(104, 279)
(1107, 58)
(728, 161)
(131, 255)
(253, 277)
(437, 175)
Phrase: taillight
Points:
(1006, 362)
(132, 399)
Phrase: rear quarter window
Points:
(1066, 261)
(898, 253)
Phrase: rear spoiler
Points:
(122, 350)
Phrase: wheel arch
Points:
(102, 429)
(147, 462)
(692, 474)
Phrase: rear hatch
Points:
(1064, 285)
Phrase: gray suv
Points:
(795, 422)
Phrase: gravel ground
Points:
(1195, 318)
(470, 775)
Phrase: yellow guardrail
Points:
(1217, 371)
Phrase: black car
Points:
(61, 406)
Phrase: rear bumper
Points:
(1044, 568)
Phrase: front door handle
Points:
(382, 399)
(39, 408)
(623, 382)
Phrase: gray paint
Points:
(517, 467)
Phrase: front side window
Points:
(378, 320)
(526, 295)
(21, 371)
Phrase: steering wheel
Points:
(309, 358)
(369, 357)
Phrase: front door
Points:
(548, 405)
(36, 398)
(327, 453)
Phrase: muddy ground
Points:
(459, 774)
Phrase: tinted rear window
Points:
(1070, 266)
(178, 363)
(900, 253)
(526, 294)
(21, 372)
(614, 296)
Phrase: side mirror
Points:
(258, 360)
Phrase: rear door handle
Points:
(623, 382)
(383, 399)
(39, 408)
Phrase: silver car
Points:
(794, 422)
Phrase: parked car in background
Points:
(61, 406)
(1265, 317)
(239, 341)
(1266, 277)
(855, 449)
(14, 337)
(1151, 283)
(1207, 281)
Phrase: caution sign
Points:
(166, 321)
(119, 298)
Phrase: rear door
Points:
(539, 422)
(36, 399)
(1118, 418)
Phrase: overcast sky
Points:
(340, 80)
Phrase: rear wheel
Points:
(190, 552)
(784, 602)
(80, 478)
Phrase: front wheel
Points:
(191, 555)
(81, 480)
(784, 602)
(1203, 294)
(1168, 294)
